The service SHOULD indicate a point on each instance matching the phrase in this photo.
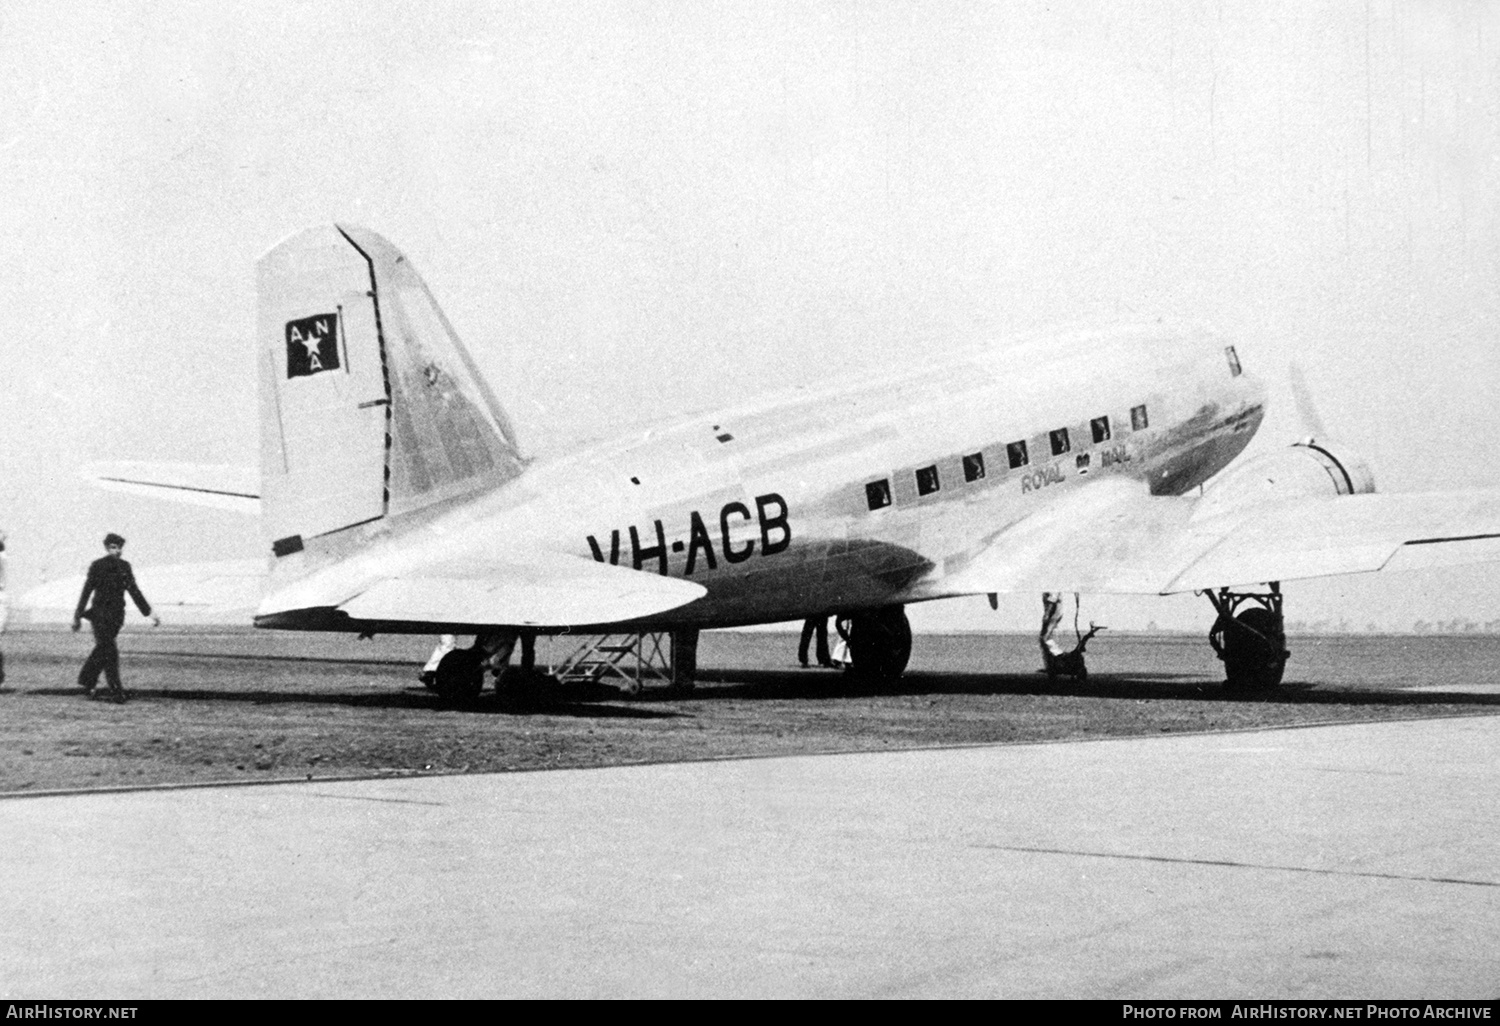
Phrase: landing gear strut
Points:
(880, 643)
(1251, 643)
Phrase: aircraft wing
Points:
(1114, 537)
(220, 486)
(537, 590)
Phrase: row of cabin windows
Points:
(878, 493)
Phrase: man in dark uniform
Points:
(110, 577)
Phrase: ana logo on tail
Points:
(312, 345)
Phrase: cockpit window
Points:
(1234, 361)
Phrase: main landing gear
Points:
(879, 642)
(459, 677)
(1251, 642)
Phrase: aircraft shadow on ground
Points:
(576, 705)
(718, 685)
(781, 685)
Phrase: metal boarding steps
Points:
(626, 661)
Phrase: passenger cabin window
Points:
(974, 466)
(927, 480)
(1138, 420)
(1100, 426)
(878, 494)
(1015, 452)
(1234, 361)
(1059, 441)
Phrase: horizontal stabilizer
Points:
(539, 590)
(225, 592)
(220, 486)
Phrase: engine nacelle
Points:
(1307, 470)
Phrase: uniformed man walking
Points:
(110, 577)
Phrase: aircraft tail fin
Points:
(370, 406)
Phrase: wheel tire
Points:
(521, 689)
(880, 643)
(460, 677)
(1255, 652)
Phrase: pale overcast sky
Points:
(628, 209)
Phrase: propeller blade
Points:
(1307, 412)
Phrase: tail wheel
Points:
(460, 676)
(880, 643)
(1254, 650)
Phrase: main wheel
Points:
(880, 643)
(1255, 652)
(519, 688)
(460, 676)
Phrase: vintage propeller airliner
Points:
(393, 497)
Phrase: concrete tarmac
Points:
(1352, 862)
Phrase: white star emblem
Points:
(312, 342)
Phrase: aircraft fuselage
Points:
(855, 496)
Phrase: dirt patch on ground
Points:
(214, 706)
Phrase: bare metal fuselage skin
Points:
(775, 506)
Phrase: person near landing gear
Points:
(109, 579)
(446, 643)
(1057, 661)
(815, 625)
(501, 644)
